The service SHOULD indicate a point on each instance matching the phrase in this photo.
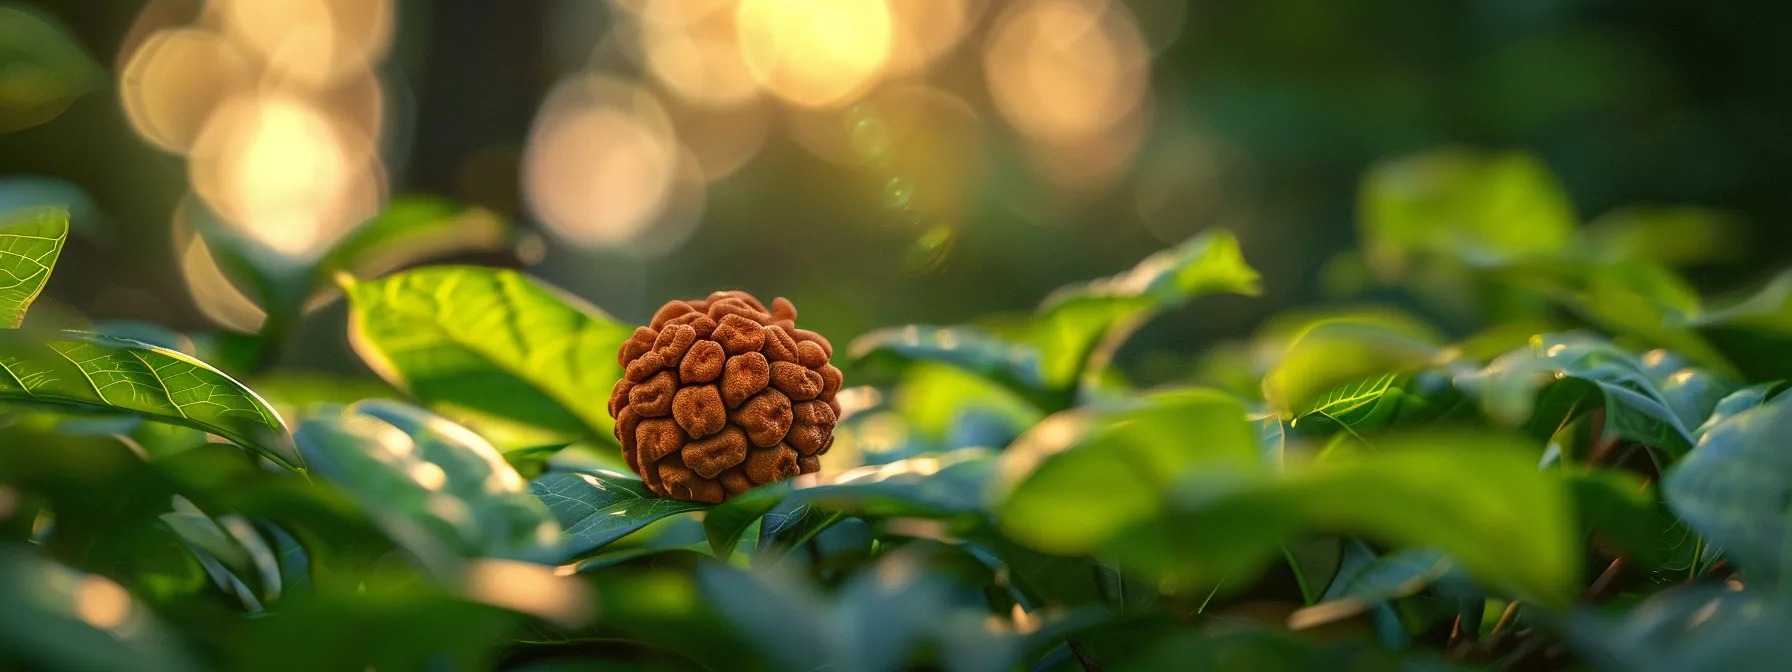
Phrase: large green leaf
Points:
(515, 359)
(1734, 487)
(596, 507)
(55, 618)
(1558, 377)
(435, 487)
(29, 245)
(1081, 477)
(1479, 499)
(1079, 326)
(95, 373)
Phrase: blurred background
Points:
(879, 162)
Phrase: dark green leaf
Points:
(496, 350)
(941, 485)
(597, 507)
(29, 245)
(94, 373)
(783, 619)
(1561, 376)
(46, 68)
(55, 618)
(1735, 485)
(1690, 628)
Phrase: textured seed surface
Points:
(722, 394)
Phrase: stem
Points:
(1606, 579)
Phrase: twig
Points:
(1082, 656)
(1605, 579)
(1499, 627)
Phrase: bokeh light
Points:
(925, 31)
(284, 172)
(314, 43)
(815, 53)
(172, 81)
(690, 46)
(1066, 69)
(603, 164)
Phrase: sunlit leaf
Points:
(1734, 487)
(413, 228)
(1479, 499)
(597, 507)
(1081, 477)
(1562, 376)
(1486, 207)
(1074, 321)
(29, 245)
(94, 373)
(1079, 325)
(433, 486)
(491, 348)
(52, 617)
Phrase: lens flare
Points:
(815, 53)
(924, 31)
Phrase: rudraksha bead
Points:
(722, 394)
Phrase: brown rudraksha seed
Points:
(723, 394)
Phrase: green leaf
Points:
(1479, 499)
(1388, 401)
(1078, 328)
(1688, 628)
(1562, 376)
(940, 485)
(433, 486)
(1738, 402)
(45, 68)
(1333, 353)
(1460, 203)
(55, 618)
(29, 245)
(782, 618)
(1081, 477)
(597, 507)
(1088, 321)
(1315, 563)
(1734, 487)
(1264, 649)
(492, 349)
(94, 373)
(413, 228)
(1755, 332)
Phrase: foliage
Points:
(1607, 493)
